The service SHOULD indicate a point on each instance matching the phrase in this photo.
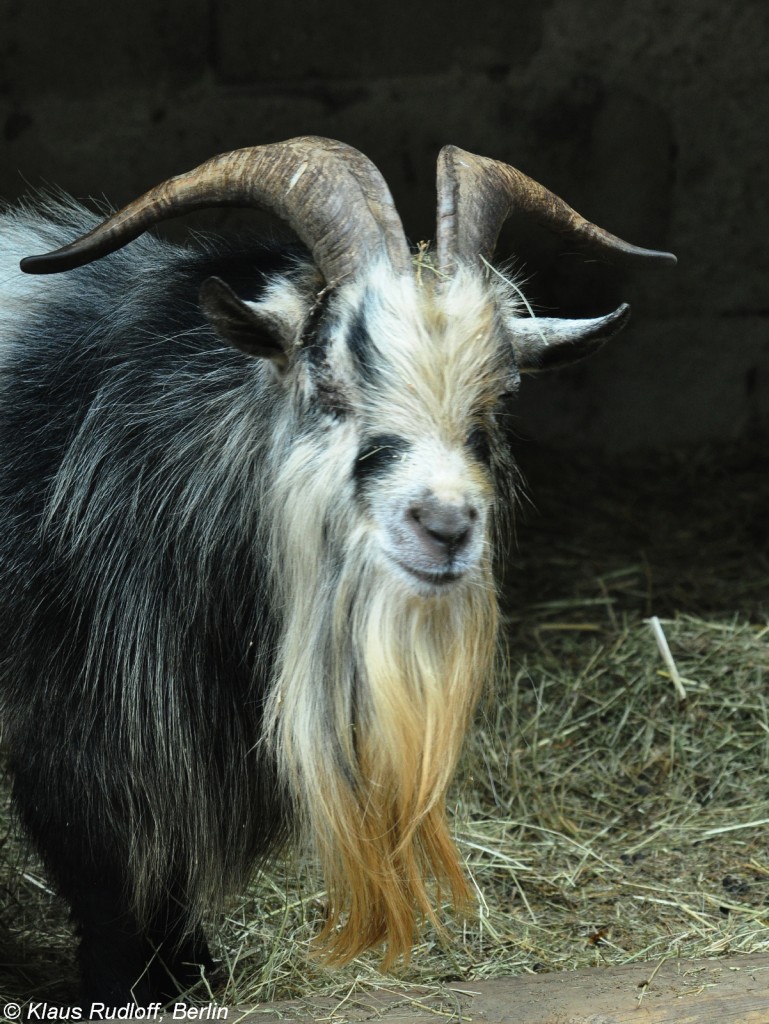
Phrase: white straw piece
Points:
(667, 657)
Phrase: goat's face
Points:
(403, 380)
(426, 375)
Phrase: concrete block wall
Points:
(648, 116)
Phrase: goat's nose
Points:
(446, 525)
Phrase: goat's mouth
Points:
(434, 578)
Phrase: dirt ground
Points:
(733, 991)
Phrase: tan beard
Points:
(368, 736)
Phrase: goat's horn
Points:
(332, 196)
(476, 195)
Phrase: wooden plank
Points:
(733, 990)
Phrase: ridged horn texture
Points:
(330, 194)
(476, 195)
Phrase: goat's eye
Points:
(479, 444)
(378, 454)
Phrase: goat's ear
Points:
(240, 324)
(544, 343)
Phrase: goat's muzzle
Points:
(437, 540)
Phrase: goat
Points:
(249, 497)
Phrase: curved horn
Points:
(544, 343)
(476, 195)
(332, 196)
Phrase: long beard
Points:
(374, 694)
